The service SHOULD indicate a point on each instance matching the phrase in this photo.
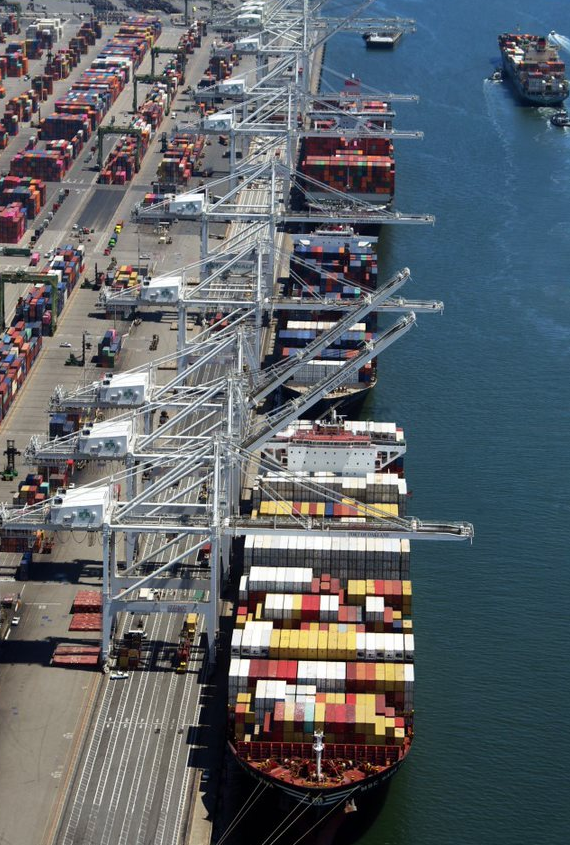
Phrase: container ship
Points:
(535, 69)
(321, 676)
(326, 267)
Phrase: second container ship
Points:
(535, 69)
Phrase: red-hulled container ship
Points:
(321, 675)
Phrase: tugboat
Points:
(560, 118)
(383, 40)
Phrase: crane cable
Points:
(272, 839)
(321, 820)
(241, 813)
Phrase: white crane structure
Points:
(179, 452)
(182, 484)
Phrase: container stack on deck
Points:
(361, 167)
(330, 268)
(323, 636)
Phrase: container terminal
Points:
(177, 519)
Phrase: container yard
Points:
(173, 589)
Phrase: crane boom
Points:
(297, 407)
(276, 376)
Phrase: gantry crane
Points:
(149, 79)
(21, 276)
(180, 52)
(214, 460)
(181, 477)
(118, 130)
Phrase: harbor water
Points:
(483, 395)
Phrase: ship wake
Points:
(561, 41)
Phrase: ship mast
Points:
(318, 748)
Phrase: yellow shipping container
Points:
(342, 647)
(351, 645)
(333, 646)
(274, 644)
(380, 726)
(389, 669)
(380, 669)
(294, 643)
(313, 643)
(407, 625)
(320, 508)
(304, 644)
(297, 606)
(319, 714)
(305, 507)
(323, 645)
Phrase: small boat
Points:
(496, 76)
(383, 39)
(560, 118)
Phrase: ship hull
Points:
(526, 97)
(327, 798)
(385, 42)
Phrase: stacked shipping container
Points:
(36, 316)
(323, 638)
(329, 267)
(108, 349)
(362, 167)
(180, 159)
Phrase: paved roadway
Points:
(124, 754)
(133, 781)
